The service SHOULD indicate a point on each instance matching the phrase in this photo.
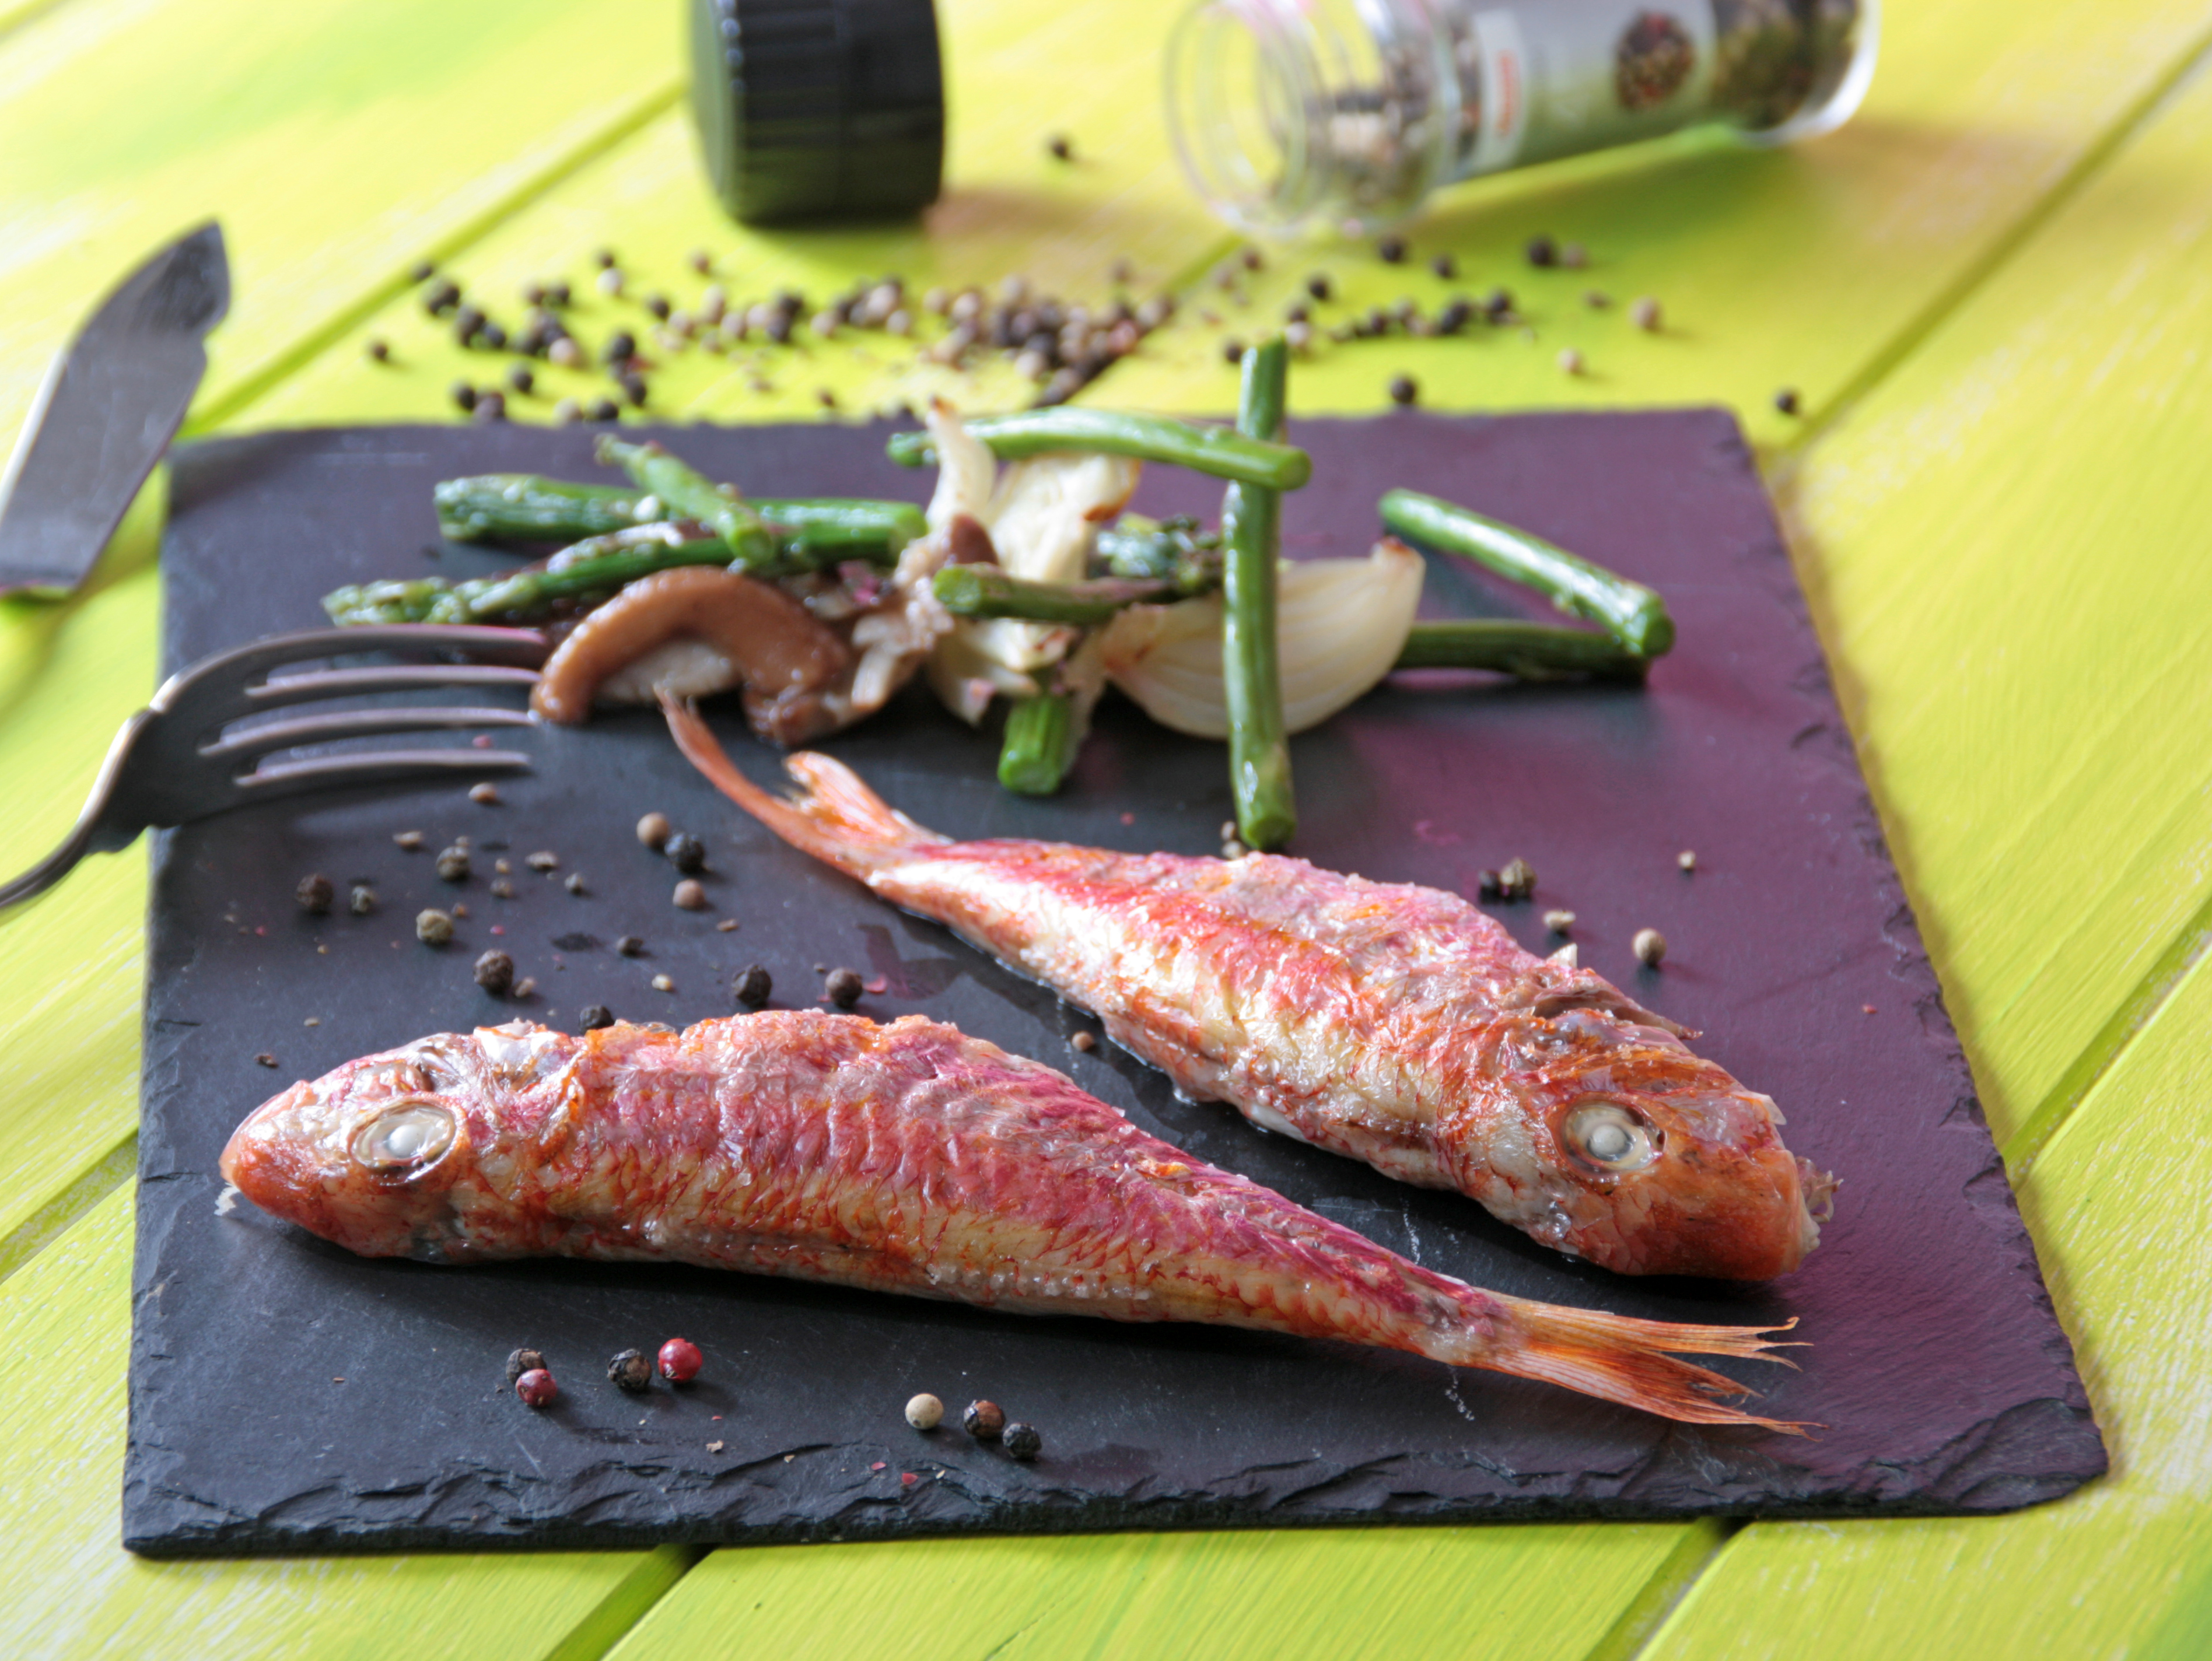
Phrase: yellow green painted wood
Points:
(2124, 1567)
(1803, 267)
(1525, 1592)
(73, 1590)
(338, 142)
(1010, 208)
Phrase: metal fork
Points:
(172, 762)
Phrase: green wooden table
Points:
(1993, 293)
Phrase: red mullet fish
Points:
(899, 1158)
(1391, 1023)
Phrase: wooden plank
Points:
(1009, 209)
(64, 1336)
(2123, 1568)
(1803, 268)
(337, 142)
(1527, 1593)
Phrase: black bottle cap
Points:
(811, 109)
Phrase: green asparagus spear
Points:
(600, 565)
(1632, 614)
(690, 494)
(984, 590)
(1533, 651)
(1216, 451)
(1251, 532)
(811, 533)
(1040, 744)
(524, 508)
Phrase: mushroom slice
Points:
(781, 654)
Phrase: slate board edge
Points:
(1997, 1472)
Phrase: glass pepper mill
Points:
(1291, 115)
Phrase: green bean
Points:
(1212, 450)
(1251, 533)
(814, 533)
(600, 565)
(688, 494)
(524, 508)
(1040, 744)
(984, 590)
(1632, 614)
(1535, 652)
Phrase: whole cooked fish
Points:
(899, 1158)
(1395, 1024)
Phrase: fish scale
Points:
(905, 1158)
(1391, 1023)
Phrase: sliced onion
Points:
(1341, 626)
(967, 471)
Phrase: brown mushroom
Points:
(783, 658)
(971, 544)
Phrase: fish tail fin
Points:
(835, 817)
(1623, 1358)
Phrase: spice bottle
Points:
(1291, 115)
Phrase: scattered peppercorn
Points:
(1022, 1440)
(691, 894)
(984, 1421)
(1085, 1042)
(501, 889)
(1686, 859)
(686, 852)
(524, 987)
(606, 409)
(1444, 266)
(537, 1388)
(453, 864)
(1570, 362)
(1489, 886)
(1786, 400)
(442, 297)
(1058, 147)
(1317, 285)
(924, 1411)
(1542, 251)
(314, 894)
(410, 840)
(1404, 390)
(491, 406)
(1596, 299)
(1392, 249)
(842, 988)
(1517, 881)
(520, 379)
(658, 305)
(495, 972)
(662, 983)
(752, 986)
(362, 901)
(1649, 947)
(434, 928)
(1233, 351)
(522, 1361)
(543, 860)
(465, 396)
(574, 883)
(266, 1060)
(1573, 255)
(680, 1360)
(1558, 922)
(630, 1371)
(484, 795)
(593, 1017)
(378, 352)
(1644, 313)
(631, 946)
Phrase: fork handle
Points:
(94, 832)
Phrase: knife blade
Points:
(111, 401)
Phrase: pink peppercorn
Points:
(680, 1360)
(537, 1388)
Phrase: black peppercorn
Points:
(984, 1421)
(378, 352)
(1498, 305)
(463, 396)
(1455, 316)
(1022, 1440)
(631, 1371)
(520, 379)
(1444, 267)
(491, 406)
(1233, 350)
(442, 297)
(1392, 249)
(314, 894)
(1786, 400)
(523, 1360)
(606, 409)
(1317, 285)
(1403, 390)
(1542, 251)
(422, 271)
(686, 852)
(593, 1017)
(631, 946)
(492, 337)
(1060, 147)
(657, 305)
(634, 389)
(1488, 886)
(752, 986)
(495, 972)
(620, 346)
(842, 988)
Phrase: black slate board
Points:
(285, 1396)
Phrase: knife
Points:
(111, 400)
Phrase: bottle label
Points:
(1503, 66)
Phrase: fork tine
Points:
(261, 741)
(525, 646)
(379, 768)
(382, 677)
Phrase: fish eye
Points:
(409, 1133)
(1611, 1138)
